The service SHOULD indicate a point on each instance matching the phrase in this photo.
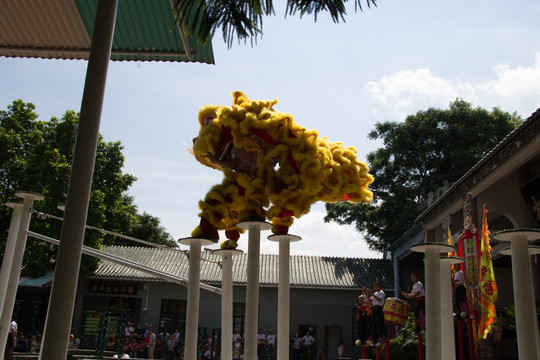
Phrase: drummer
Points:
(419, 295)
(377, 301)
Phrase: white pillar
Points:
(7, 260)
(226, 301)
(192, 308)
(433, 294)
(252, 288)
(14, 272)
(526, 319)
(283, 335)
(448, 346)
(62, 297)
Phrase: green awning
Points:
(61, 29)
(38, 282)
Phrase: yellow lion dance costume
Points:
(274, 168)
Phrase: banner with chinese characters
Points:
(113, 289)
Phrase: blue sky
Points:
(382, 64)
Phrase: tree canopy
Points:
(244, 19)
(36, 156)
(420, 155)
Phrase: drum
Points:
(396, 311)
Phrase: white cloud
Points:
(514, 82)
(407, 91)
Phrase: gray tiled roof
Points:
(305, 271)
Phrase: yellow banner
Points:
(488, 286)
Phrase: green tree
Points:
(36, 156)
(244, 19)
(420, 155)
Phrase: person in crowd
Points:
(307, 342)
(296, 344)
(271, 342)
(139, 331)
(236, 335)
(134, 347)
(460, 298)
(261, 342)
(237, 347)
(129, 330)
(22, 343)
(377, 303)
(363, 316)
(171, 345)
(11, 340)
(142, 351)
(207, 352)
(74, 342)
(340, 350)
(151, 344)
(34, 345)
(419, 295)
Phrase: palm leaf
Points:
(243, 19)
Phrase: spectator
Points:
(296, 343)
(151, 343)
(307, 342)
(74, 342)
(340, 350)
(271, 342)
(128, 330)
(237, 348)
(11, 340)
(134, 347)
(171, 344)
(261, 342)
(236, 335)
(126, 346)
(139, 331)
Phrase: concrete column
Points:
(252, 289)
(448, 347)
(526, 319)
(62, 298)
(283, 335)
(433, 294)
(226, 301)
(193, 294)
(7, 259)
(17, 258)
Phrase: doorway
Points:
(333, 335)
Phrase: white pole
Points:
(252, 288)
(226, 301)
(283, 335)
(63, 292)
(433, 305)
(14, 274)
(192, 310)
(448, 347)
(7, 260)
(432, 270)
(525, 309)
(526, 319)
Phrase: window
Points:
(239, 317)
(173, 315)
